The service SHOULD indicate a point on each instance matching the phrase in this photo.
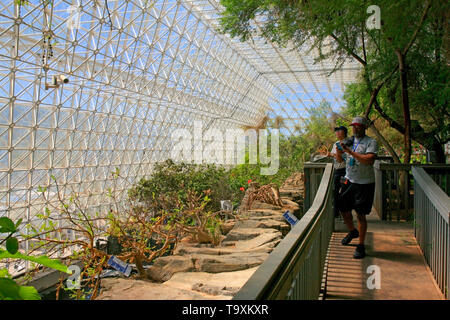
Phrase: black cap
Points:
(341, 128)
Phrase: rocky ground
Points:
(202, 271)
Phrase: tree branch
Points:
(374, 94)
(422, 19)
(350, 52)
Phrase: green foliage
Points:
(312, 24)
(203, 225)
(9, 289)
(169, 182)
(42, 260)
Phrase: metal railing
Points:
(394, 187)
(313, 172)
(431, 225)
(294, 269)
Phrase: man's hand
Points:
(368, 158)
(339, 155)
(346, 149)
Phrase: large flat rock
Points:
(164, 267)
(230, 262)
(239, 234)
(130, 289)
(271, 235)
(218, 285)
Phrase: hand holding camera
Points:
(344, 145)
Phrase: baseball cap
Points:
(359, 121)
(341, 128)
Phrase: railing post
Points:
(307, 188)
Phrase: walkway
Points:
(392, 247)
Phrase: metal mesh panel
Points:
(137, 70)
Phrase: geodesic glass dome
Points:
(136, 70)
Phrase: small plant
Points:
(69, 229)
(143, 237)
(204, 226)
(268, 193)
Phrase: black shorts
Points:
(356, 196)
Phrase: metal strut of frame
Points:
(136, 71)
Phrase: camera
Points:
(348, 142)
(62, 78)
(57, 81)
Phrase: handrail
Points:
(431, 226)
(393, 187)
(436, 195)
(278, 271)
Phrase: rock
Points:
(186, 249)
(290, 204)
(188, 239)
(164, 267)
(280, 225)
(243, 234)
(230, 280)
(264, 218)
(214, 290)
(227, 226)
(229, 248)
(296, 180)
(262, 212)
(230, 262)
(130, 289)
(261, 205)
(270, 235)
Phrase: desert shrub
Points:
(170, 181)
(142, 236)
(69, 228)
(203, 225)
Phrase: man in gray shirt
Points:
(359, 183)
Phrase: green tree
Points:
(403, 58)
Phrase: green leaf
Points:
(18, 223)
(29, 293)
(12, 245)
(6, 225)
(43, 260)
(4, 273)
(10, 290)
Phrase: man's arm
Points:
(367, 158)
(339, 156)
(336, 153)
